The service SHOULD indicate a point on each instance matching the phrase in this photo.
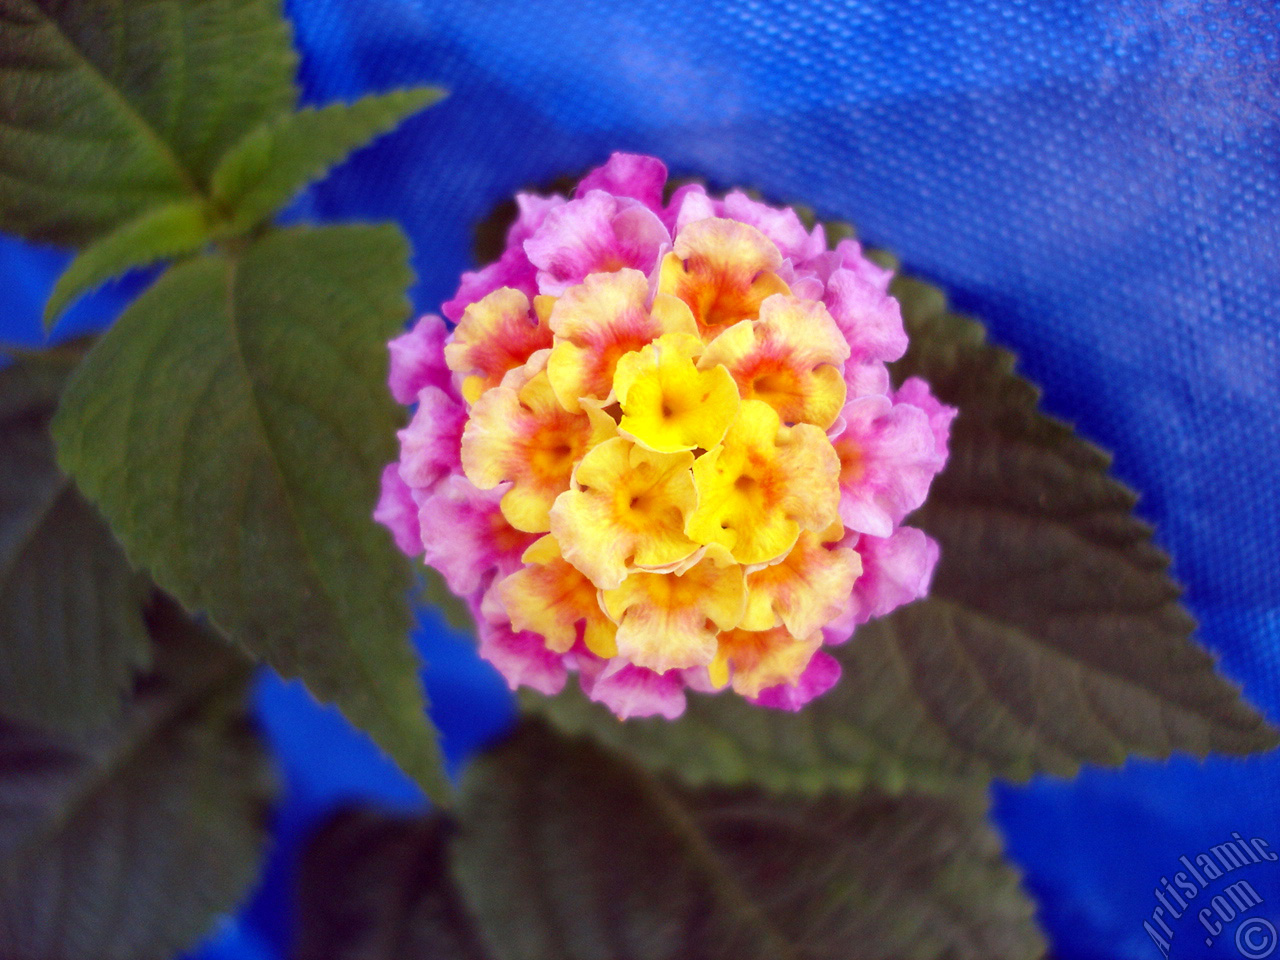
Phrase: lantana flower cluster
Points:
(659, 447)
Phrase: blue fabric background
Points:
(1100, 182)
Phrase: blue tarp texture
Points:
(1098, 181)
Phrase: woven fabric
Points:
(1097, 181)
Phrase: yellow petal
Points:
(600, 320)
(542, 306)
(806, 589)
(495, 335)
(626, 510)
(763, 485)
(791, 358)
(757, 660)
(723, 270)
(668, 404)
(552, 598)
(668, 621)
(519, 433)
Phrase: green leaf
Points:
(232, 426)
(264, 171)
(1052, 636)
(128, 842)
(564, 851)
(70, 605)
(375, 885)
(108, 109)
(163, 232)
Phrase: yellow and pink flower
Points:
(659, 447)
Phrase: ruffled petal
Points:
(667, 403)
(895, 570)
(397, 511)
(868, 318)
(551, 598)
(669, 621)
(864, 378)
(688, 204)
(806, 589)
(513, 268)
(782, 226)
(723, 270)
(519, 434)
(631, 691)
(818, 677)
(598, 322)
(466, 537)
(594, 234)
(431, 445)
(887, 461)
(849, 256)
(521, 657)
(763, 485)
(916, 392)
(754, 660)
(626, 512)
(791, 358)
(496, 335)
(417, 360)
(628, 175)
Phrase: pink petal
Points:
(631, 691)
(895, 570)
(688, 204)
(521, 657)
(593, 234)
(803, 283)
(513, 268)
(628, 175)
(819, 676)
(916, 392)
(779, 224)
(466, 537)
(533, 210)
(870, 319)
(887, 463)
(862, 378)
(417, 360)
(397, 512)
(849, 256)
(431, 446)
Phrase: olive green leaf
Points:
(263, 172)
(110, 109)
(1053, 635)
(126, 843)
(232, 426)
(158, 234)
(564, 851)
(71, 630)
(376, 885)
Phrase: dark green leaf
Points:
(1053, 635)
(232, 426)
(71, 630)
(109, 108)
(378, 886)
(565, 851)
(160, 233)
(262, 172)
(128, 842)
